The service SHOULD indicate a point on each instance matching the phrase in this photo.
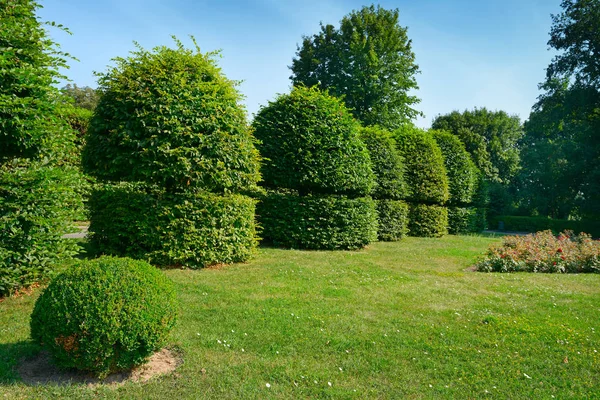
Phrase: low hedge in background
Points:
(535, 224)
(427, 220)
(392, 220)
(320, 222)
(37, 203)
(188, 229)
(105, 315)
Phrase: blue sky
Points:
(471, 53)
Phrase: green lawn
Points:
(397, 320)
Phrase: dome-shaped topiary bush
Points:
(427, 220)
(310, 143)
(105, 315)
(389, 183)
(425, 172)
(170, 117)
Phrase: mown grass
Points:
(397, 320)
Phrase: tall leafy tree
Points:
(83, 96)
(368, 61)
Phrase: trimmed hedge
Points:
(427, 220)
(170, 117)
(392, 220)
(461, 170)
(425, 172)
(187, 229)
(463, 220)
(37, 203)
(536, 224)
(105, 315)
(310, 143)
(316, 221)
(387, 164)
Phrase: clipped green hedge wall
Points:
(425, 172)
(536, 224)
(461, 170)
(170, 117)
(392, 219)
(310, 143)
(463, 220)
(320, 222)
(105, 315)
(387, 164)
(427, 220)
(37, 205)
(188, 229)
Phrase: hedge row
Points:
(427, 220)
(392, 220)
(537, 224)
(317, 222)
(190, 229)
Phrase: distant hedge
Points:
(427, 220)
(463, 220)
(425, 172)
(536, 224)
(320, 222)
(310, 143)
(392, 219)
(192, 229)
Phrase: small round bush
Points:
(317, 222)
(427, 220)
(105, 315)
(392, 219)
(461, 170)
(170, 117)
(387, 164)
(425, 172)
(310, 143)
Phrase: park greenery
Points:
(163, 163)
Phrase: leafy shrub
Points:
(318, 222)
(387, 164)
(105, 315)
(392, 219)
(425, 172)
(543, 252)
(461, 170)
(427, 220)
(37, 203)
(79, 120)
(463, 220)
(310, 143)
(184, 229)
(534, 224)
(170, 117)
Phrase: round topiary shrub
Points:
(461, 170)
(392, 220)
(310, 143)
(105, 315)
(190, 229)
(425, 172)
(317, 222)
(170, 117)
(426, 220)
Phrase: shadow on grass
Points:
(11, 355)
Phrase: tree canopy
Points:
(368, 61)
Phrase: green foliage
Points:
(426, 220)
(36, 209)
(83, 96)
(425, 172)
(105, 315)
(536, 224)
(543, 252)
(191, 229)
(170, 117)
(79, 120)
(368, 61)
(392, 220)
(311, 143)
(463, 220)
(320, 222)
(387, 164)
(491, 137)
(462, 172)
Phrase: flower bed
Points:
(544, 252)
